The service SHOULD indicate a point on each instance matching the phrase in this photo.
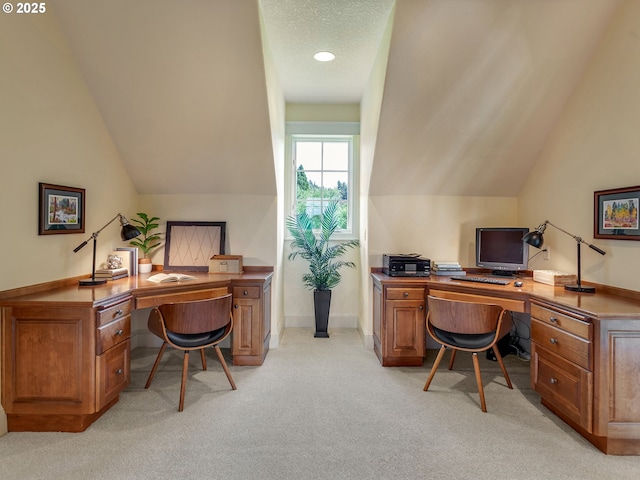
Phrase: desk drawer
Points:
(573, 324)
(571, 347)
(564, 385)
(112, 334)
(112, 313)
(410, 293)
(112, 373)
(179, 296)
(507, 303)
(246, 292)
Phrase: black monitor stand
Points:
(504, 273)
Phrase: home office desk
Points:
(585, 358)
(66, 348)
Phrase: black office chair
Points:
(467, 326)
(191, 326)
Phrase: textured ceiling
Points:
(351, 29)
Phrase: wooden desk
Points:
(585, 358)
(66, 348)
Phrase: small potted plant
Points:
(321, 253)
(147, 241)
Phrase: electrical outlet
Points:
(546, 253)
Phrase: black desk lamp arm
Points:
(94, 235)
(575, 237)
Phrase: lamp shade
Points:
(535, 239)
(128, 232)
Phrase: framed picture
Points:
(190, 245)
(616, 214)
(61, 209)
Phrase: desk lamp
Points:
(127, 233)
(536, 239)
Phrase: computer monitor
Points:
(502, 250)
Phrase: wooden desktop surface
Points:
(605, 303)
(136, 286)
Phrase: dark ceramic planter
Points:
(322, 304)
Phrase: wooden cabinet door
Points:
(247, 325)
(617, 409)
(404, 329)
(112, 373)
(246, 335)
(377, 323)
(565, 385)
(48, 360)
(251, 323)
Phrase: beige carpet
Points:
(317, 409)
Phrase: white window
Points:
(322, 170)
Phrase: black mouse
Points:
(517, 284)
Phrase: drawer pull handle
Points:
(553, 319)
(119, 371)
(420, 307)
(119, 332)
(553, 381)
(235, 306)
(553, 340)
(117, 313)
(245, 293)
(406, 294)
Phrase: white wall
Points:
(298, 301)
(251, 221)
(277, 115)
(369, 120)
(437, 227)
(51, 132)
(595, 146)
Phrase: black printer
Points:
(406, 265)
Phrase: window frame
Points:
(340, 131)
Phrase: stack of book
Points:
(112, 273)
(447, 268)
(129, 258)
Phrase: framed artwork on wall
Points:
(61, 209)
(190, 245)
(616, 213)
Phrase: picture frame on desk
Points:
(190, 245)
(132, 257)
(61, 209)
(616, 213)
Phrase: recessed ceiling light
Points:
(324, 56)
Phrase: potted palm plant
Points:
(147, 241)
(322, 255)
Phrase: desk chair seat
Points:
(467, 326)
(190, 326)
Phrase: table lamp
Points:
(126, 233)
(536, 239)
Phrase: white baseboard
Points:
(308, 321)
(3, 422)
(367, 339)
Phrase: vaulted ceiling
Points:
(473, 88)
